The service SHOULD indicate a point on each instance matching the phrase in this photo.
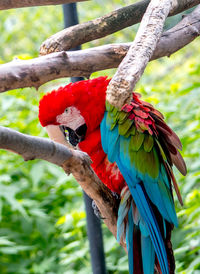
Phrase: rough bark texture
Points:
(180, 35)
(97, 28)
(181, 5)
(13, 4)
(95, 189)
(139, 54)
(35, 72)
(75, 162)
(105, 25)
(30, 147)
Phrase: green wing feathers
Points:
(145, 149)
(152, 142)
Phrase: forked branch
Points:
(35, 72)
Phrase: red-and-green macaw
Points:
(133, 151)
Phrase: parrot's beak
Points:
(56, 134)
(65, 135)
(74, 136)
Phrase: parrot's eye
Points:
(66, 110)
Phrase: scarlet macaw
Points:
(132, 150)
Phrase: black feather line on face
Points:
(74, 136)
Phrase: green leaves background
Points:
(42, 218)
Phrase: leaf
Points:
(36, 173)
(61, 220)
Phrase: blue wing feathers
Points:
(148, 216)
(168, 203)
(143, 189)
(113, 144)
(104, 132)
(146, 212)
(166, 206)
(160, 196)
(129, 240)
(148, 255)
(163, 176)
(122, 212)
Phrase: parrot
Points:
(133, 152)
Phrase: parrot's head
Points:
(74, 110)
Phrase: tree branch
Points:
(180, 35)
(13, 4)
(72, 161)
(119, 91)
(105, 25)
(35, 72)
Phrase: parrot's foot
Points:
(95, 207)
(117, 196)
(96, 210)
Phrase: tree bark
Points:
(180, 35)
(13, 4)
(35, 72)
(105, 25)
(119, 91)
(72, 161)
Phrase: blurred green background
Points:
(42, 218)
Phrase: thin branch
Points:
(35, 72)
(120, 88)
(13, 4)
(105, 25)
(75, 162)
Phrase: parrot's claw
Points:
(96, 210)
(82, 155)
(117, 196)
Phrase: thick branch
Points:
(120, 88)
(35, 72)
(105, 25)
(180, 35)
(13, 4)
(75, 162)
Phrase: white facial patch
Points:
(71, 118)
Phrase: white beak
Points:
(56, 135)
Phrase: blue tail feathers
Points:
(151, 238)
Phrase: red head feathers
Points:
(87, 96)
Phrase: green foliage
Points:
(42, 215)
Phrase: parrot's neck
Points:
(107, 172)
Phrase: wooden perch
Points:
(35, 72)
(13, 4)
(72, 161)
(105, 25)
(119, 91)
